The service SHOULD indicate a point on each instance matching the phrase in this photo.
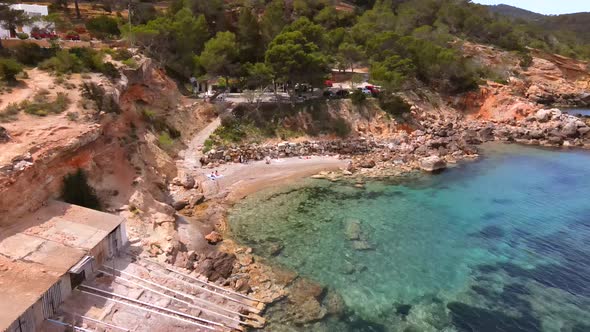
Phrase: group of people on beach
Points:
(215, 175)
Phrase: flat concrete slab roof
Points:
(36, 250)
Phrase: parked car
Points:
(366, 91)
(302, 87)
(374, 90)
(72, 35)
(336, 93)
(328, 83)
(43, 34)
(342, 93)
(329, 94)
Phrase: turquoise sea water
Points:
(500, 244)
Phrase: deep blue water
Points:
(500, 244)
(578, 111)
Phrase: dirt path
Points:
(194, 151)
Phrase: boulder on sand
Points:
(432, 163)
(543, 115)
(185, 181)
(570, 129)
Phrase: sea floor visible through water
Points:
(499, 244)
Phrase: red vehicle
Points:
(43, 34)
(328, 83)
(72, 35)
(374, 90)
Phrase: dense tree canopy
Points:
(404, 43)
(220, 56)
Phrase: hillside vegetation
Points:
(404, 43)
(253, 44)
(569, 28)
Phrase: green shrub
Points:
(22, 35)
(63, 62)
(109, 70)
(165, 141)
(228, 120)
(392, 104)
(80, 59)
(231, 132)
(526, 60)
(76, 190)
(148, 114)
(341, 128)
(72, 116)
(9, 113)
(103, 102)
(122, 54)
(31, 54)
(131, 63)
(208, 145)
(42, 106)
(103, 26)
(358, 97)
(9, 68)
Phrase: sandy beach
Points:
(240, 180)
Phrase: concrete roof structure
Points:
(36, 250)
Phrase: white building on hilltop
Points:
(31, 11)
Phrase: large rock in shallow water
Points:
(432, 163)
(352, 229)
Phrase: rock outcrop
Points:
(4, 137)
(432, 164)
(289, 149)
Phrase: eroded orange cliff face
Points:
(550, 80)
(114, 149)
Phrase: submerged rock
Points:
(361, 245)
(352, 229)
(305, 295)
(334, 303)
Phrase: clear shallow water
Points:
(578, 111)
(501, 244)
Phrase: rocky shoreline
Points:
(437, 142)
